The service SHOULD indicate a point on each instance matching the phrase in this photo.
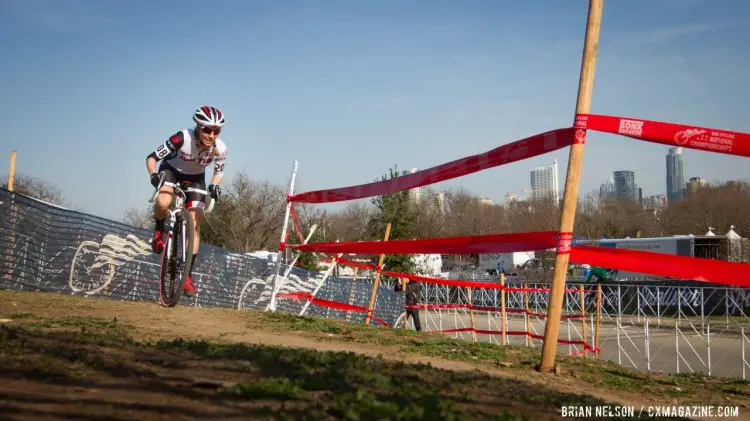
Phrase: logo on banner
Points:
(580, 137)
(94, 263)
(684, 136)
(630, 127)
(564, 243)
(581, 122)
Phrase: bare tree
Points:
(350, 224)
(248, 216)
(37, 188)
(430, 216)
(586, 222)
(139, 218)
(717, 206)
(467, 214)
(534, 215)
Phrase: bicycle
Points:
(179, 239)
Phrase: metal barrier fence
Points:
(665, 325)
(48, 248)
(659, 327)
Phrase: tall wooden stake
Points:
(598, 318)
(371, 307)
(406, 315)
(528, 314)
(12, 236)
(12, 172)
(567, 219)
(583, 318)
(471, 314)
(502, 309)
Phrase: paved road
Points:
(722, 351)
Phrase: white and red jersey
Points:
(181, 153)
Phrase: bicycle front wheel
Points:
(176, 259)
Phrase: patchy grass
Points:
(291, 383)
(286, 383)
(353, 386)
(688, 388)
(19, 316)
(271, 388)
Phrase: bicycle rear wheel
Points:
(176, 261)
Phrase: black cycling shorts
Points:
(193, 199)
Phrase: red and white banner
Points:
(512, 152)
(693, 137)
(492, 243)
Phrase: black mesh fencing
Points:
(48, 248)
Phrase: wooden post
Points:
(11, 235)
(406, 315)
(352, 288)
(471, 314)
(528, 313)
(502, 309)
(598, 318)
(370, 308)
(12, 171)
(575, 160)
(583, 318)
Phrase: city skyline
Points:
(678, 184)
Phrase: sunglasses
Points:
(208, 130)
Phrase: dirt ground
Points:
(157, 383)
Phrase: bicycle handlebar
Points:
(162, 179)
(210, 206)
(162, 182)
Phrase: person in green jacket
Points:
(602, 274)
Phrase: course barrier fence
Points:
(62, 251)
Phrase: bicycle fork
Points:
(170, 235)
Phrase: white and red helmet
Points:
(208, 116)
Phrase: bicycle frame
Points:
(184, 234)
(180, 197)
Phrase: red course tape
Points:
(327, 303)
(492, 243)
(661, 264)
(512, 152)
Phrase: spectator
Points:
(601, 274)
(413, 290)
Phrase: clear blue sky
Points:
(89, 88)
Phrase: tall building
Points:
(607, 189)
(676, 183)
(655, 202)
(440, 198)
(544, 183)
(625, 186)
(694, 184)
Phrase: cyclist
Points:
(185, 155)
